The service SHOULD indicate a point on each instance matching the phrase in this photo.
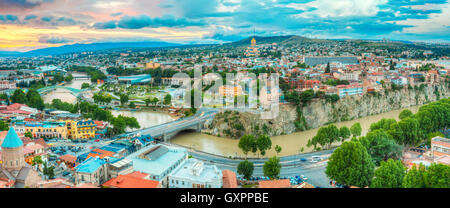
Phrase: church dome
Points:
(12, 140)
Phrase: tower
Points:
(12, 152)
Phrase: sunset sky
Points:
(31, 24)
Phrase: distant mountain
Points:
(283, 40)
(76, 48)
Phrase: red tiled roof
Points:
(284, 183)
(129, 181)
(229, 179)
(68, 158)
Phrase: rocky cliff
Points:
(319, 112)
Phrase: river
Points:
(291, 144)
(145, 118)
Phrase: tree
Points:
(325, 137)
(84, 85)
(19, 97)
(390, 174)
(132, 105)
(247, 143)
(406, 131)
(264, 143)
(278, 149)
(356, 129)
(3, 126)
(167, 99)
(272, 168)
(147, 101)
(415, 178)
(384, 123)
(37, 160)
(404, 114)
(381, 146)
(351, 164)
(28, 134)
(123, 99)
(245, 168)
(34, 99)
(344, 133)
(327, 70)
(438, 176)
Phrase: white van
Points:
(316, 158)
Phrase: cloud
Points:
(54, 40)
(8, 5)
(9, 18)
(142, 21)
(30, 17)
(116, 14)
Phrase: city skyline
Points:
(32, 24)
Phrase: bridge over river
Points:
(166, 131)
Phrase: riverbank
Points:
(291, 144)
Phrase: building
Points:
(252, 50)
(152, 65)
(135, 79)
(284, 183)
(229, 179)
(46, 129)
(158, 161)
(98, 170)
(440, 150)
(7, 85)
(349, 90)
(132, 180)
(195, 174)
(13, 166)
(81, 130)
(230, 91)
(312, 61)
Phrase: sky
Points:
(32, 24)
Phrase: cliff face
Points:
(319, 112)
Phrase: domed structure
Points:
(12, 151)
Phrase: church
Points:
(13, 167)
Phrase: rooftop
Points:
(12, 140)
(160, 164)
(197, 171)
(284, 183)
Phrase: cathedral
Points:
(13, 166)
(252, 50)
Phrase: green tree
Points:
(272, 167)
(28, 134)
(437, 176)
(3, 126)
(132, 105)
(390, 174)
(37, 160)
(407, 131)
(123, 99)
(344, 133)
(325, 137)
(384, 123)
(351, 164)
(247, 143)
(167, 99)
(19, 97)
(327, 69)
(147, 101)
(415, 178)
(34, 99)
(278, 149)
(264, 143)
(85, 85)
(356, 129)
(405, 114)
(381, 146)
(245, 168)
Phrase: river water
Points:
(290, 144)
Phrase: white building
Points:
(195, 174)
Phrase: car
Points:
(97, 140)
(303, 177)
(303, 159)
